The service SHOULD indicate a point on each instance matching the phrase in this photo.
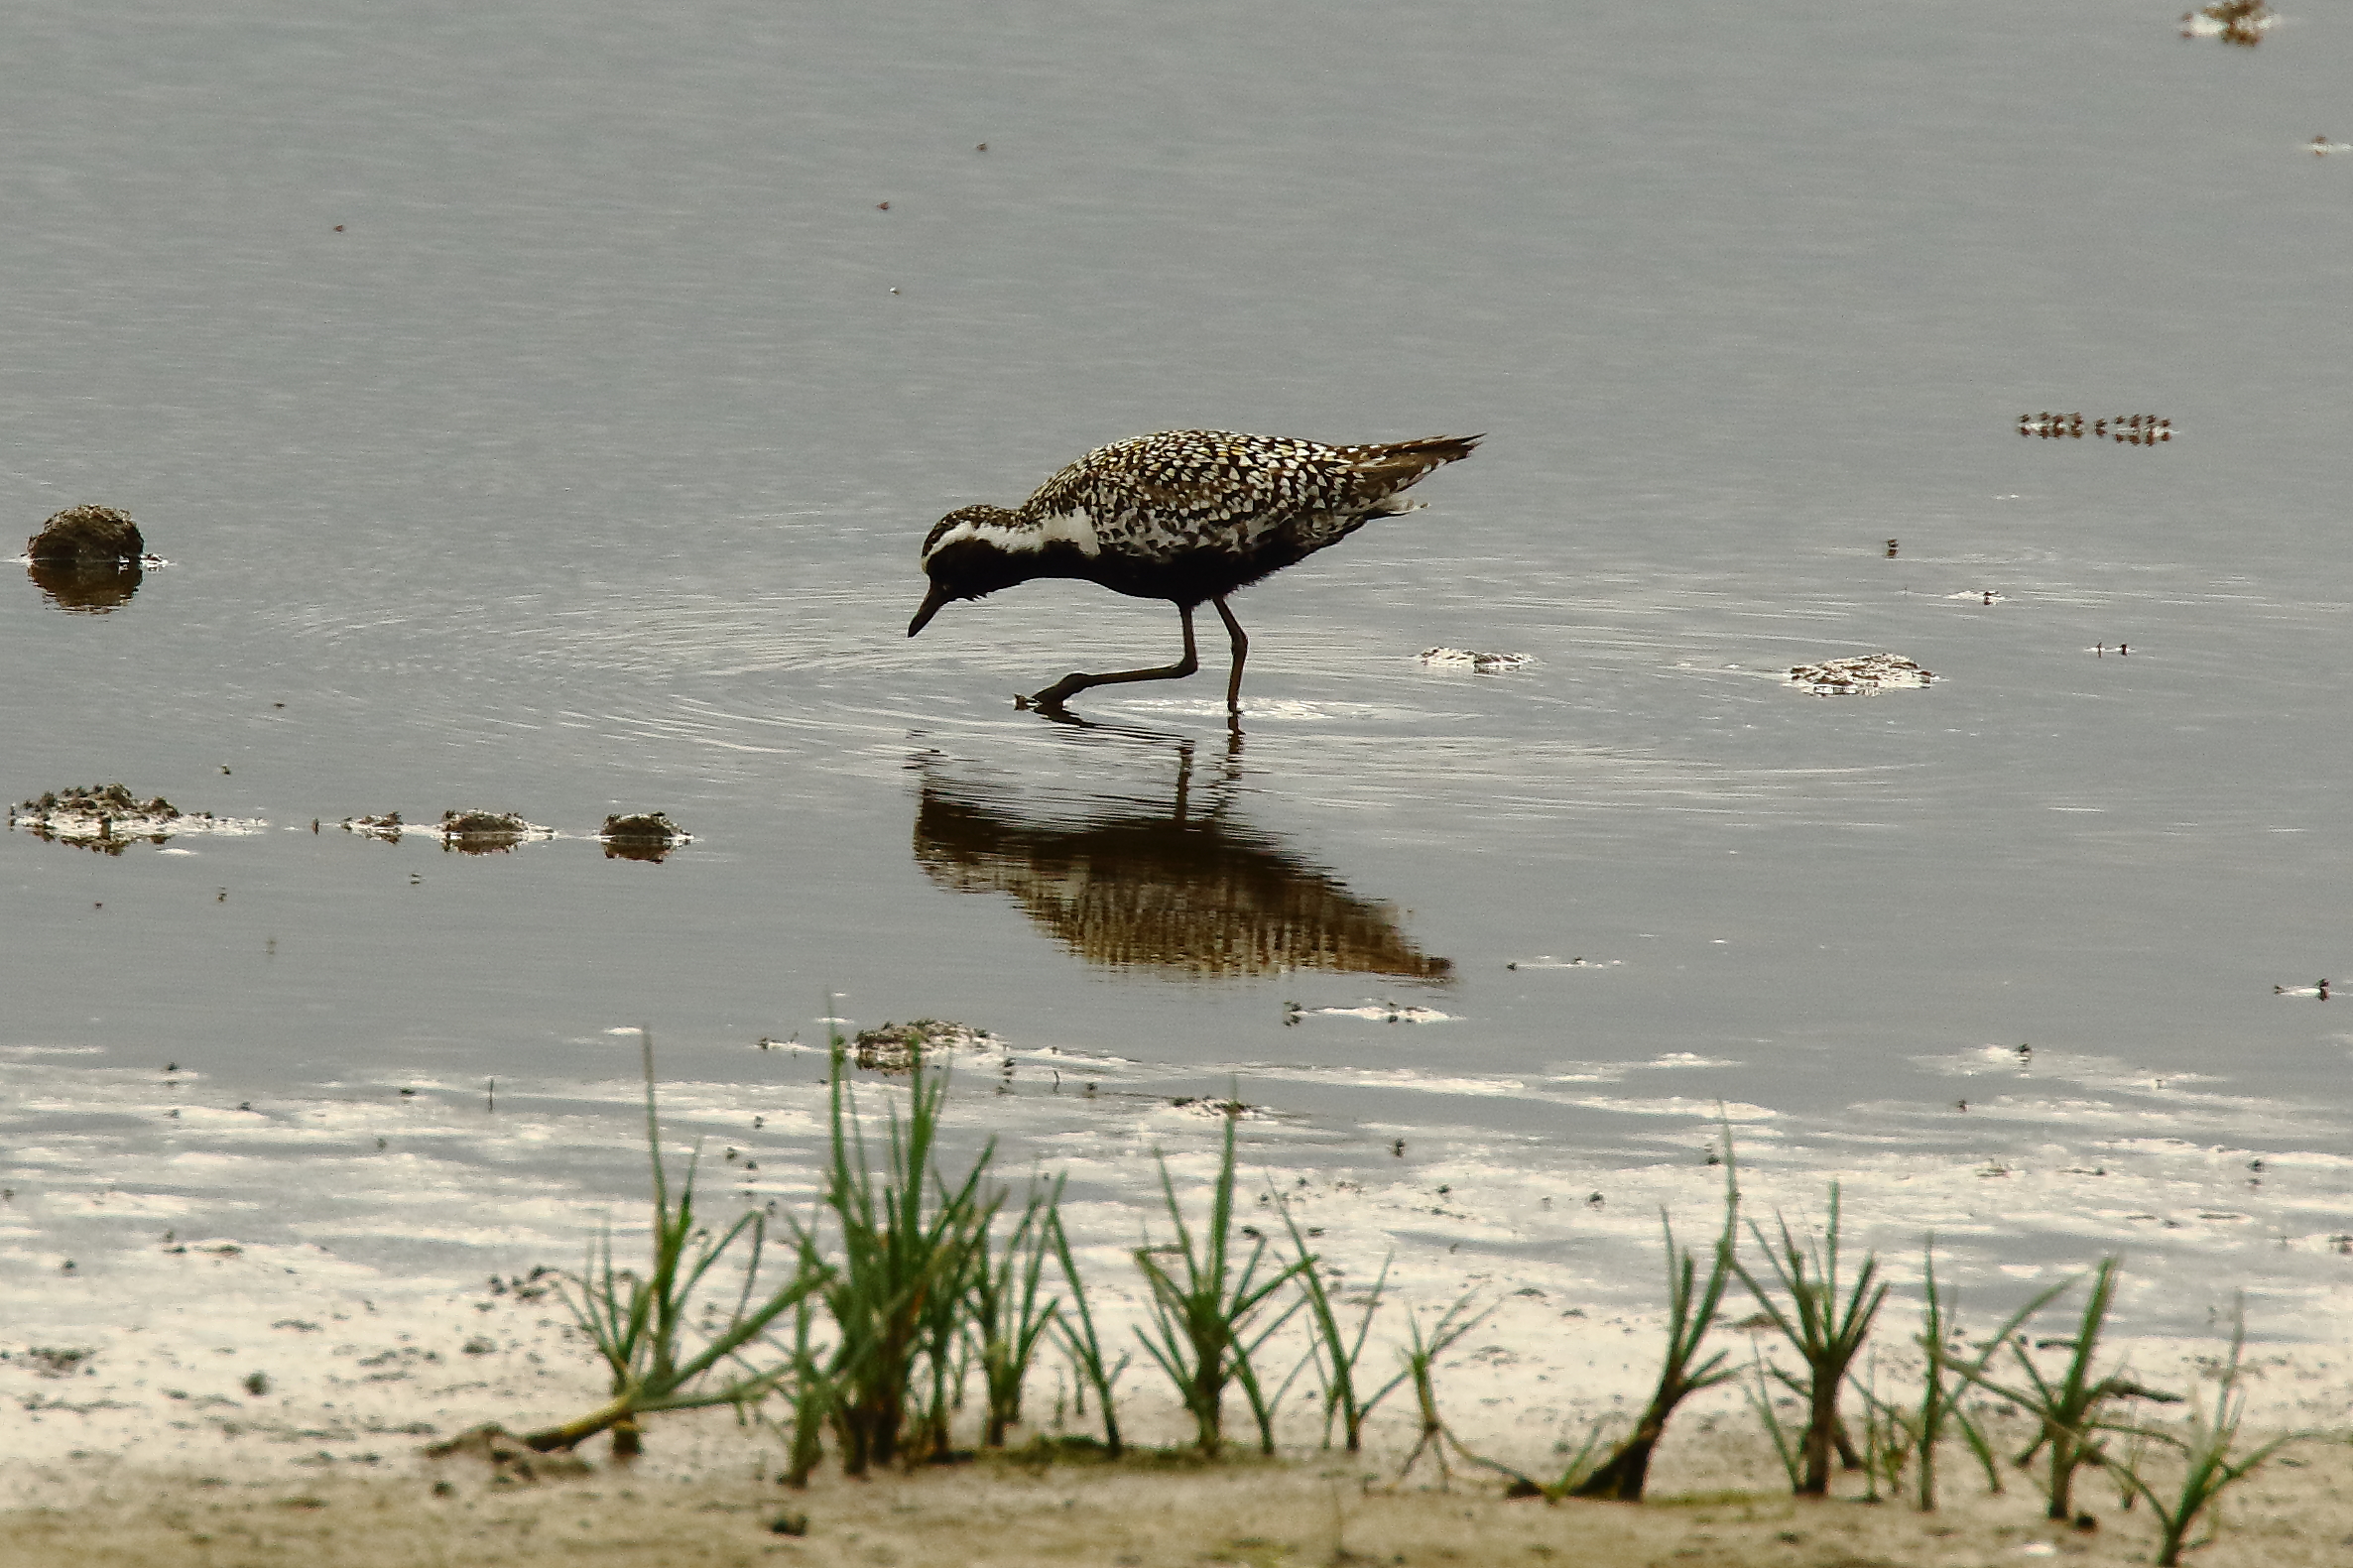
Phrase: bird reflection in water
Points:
(1174, 886)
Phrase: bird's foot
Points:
(1050, 699)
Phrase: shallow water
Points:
(582, 470)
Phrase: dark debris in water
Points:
(387, 827)
(2237, 21)
(2125, 429)
(104, 817)
(1231, 1108)
(894, 1046)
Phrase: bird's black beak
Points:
(932, 603)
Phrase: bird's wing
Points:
(1159, 496)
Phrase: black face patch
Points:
(971, 568)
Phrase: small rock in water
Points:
(1859, 676)
(388, 826)
(86, 536)
(1477, 662)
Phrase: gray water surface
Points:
(537, 411)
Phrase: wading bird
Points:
(1186, 516)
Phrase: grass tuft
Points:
(638, 1323)
(1203, 1319)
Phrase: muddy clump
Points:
(88, 558)
(104, 817)
(86, 536)
(894, 1046)
(1861, 675)
(487, 832)
(2239, 22)
(640, 835)
(387, 827)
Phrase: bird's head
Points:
(965, 558)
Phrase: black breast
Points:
(1191, 576)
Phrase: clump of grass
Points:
(638, 1323)
(1200, 1323)
(906, 1247)
(1007, 1319)
(1690, 1313)
(2206, 1445)
(2068, 1409)
(1827, 1330)
(1923, 1427)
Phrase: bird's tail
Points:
(1403, 462)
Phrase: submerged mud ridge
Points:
(1860, 675)
(109, 818)
(2127, 430)
(644, 835)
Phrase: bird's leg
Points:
(1052, 697)
(1233, 683)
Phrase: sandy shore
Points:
(160, 1448)
(1317, 1510)
(180, 1395)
